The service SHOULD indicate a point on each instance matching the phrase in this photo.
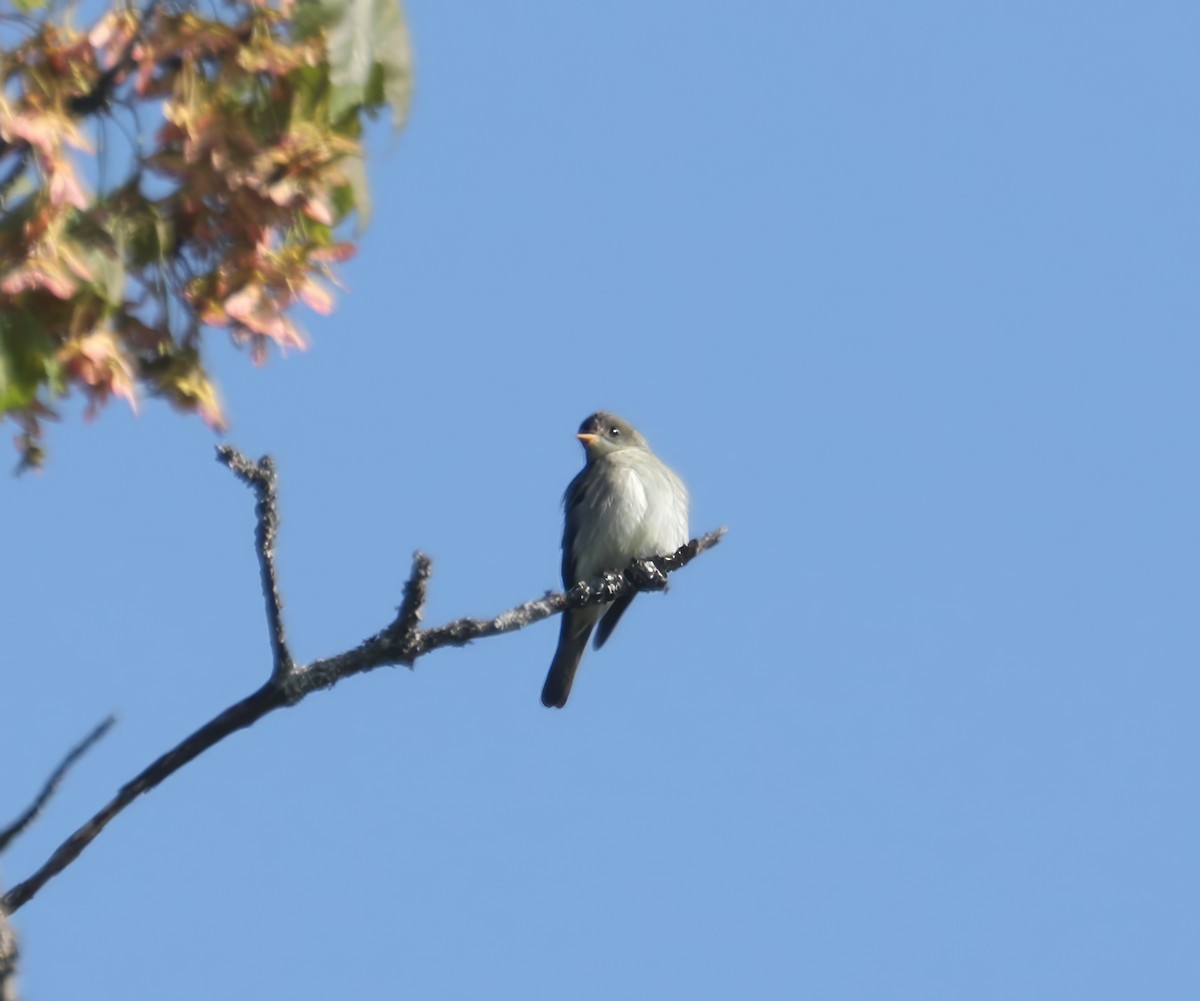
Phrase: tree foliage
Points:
(224, 206)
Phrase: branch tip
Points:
(52, 783)
(412, 608)
(262, 478)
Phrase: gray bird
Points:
(624, 504)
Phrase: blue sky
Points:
(907, 294)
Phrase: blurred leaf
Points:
(26, 359)
(355, 194)
(29, 6)
(369, 56)
(313, 16)
(182, 380)
(33, 456)
(310, 102)
(110, 277)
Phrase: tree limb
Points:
(399, 643)
(52, 783)
(9, 955)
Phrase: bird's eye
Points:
(614, 432)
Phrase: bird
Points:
(624, 504)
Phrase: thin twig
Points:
(410, 612)
(640, 575)
(237, 716)
(52, 783)
(399, 643)
(262, 479)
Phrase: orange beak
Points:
(587, 439)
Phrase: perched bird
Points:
(624, 504)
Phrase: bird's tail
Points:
(572, 641)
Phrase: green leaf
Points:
(29, 6)
(26, 360)
(354, 194)
(312, 16)
(311, 100)
(370, 57)
(109, 270)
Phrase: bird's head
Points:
(604, 433)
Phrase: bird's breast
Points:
(628, 509)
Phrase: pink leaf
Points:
(316, 297)
(65, 187)
(39, 275)
(334, 254)
(319, 208)
(255, 311)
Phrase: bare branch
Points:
(392, 646)
(9, 955)
(9, 952)
(262, 479)
(640, 575)
(237, 716)
(412, 607)
(399, 643)
(52, 783)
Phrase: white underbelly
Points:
(621, 523)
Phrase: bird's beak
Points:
(588, 439)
